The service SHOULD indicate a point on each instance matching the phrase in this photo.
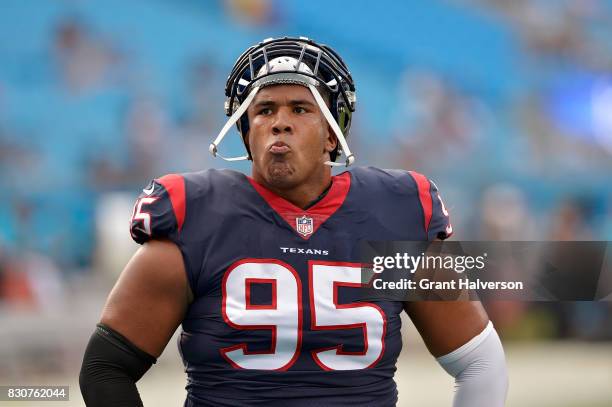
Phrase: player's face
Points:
(289, 137)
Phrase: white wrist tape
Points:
(479, 369)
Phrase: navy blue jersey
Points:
(276, 316)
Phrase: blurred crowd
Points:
(92, 105)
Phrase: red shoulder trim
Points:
(424, 189)
(175, 185)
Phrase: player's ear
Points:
(331, 141)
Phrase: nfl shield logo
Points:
(304, 225)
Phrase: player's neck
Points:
(305, 194)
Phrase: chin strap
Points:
(350, 158)
(213, 148)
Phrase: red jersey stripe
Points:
(175, 185)
(424, 196)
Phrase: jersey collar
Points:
(305, 222)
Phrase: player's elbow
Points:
(487, 375)
(480, 371)
(111, 367)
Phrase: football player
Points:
(263, 273)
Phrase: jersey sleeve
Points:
(159, 211)
(436, 219)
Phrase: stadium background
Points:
(507, 105)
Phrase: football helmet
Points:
(298, 61)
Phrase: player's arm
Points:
(458, 333)
(147, 303)
(465, 343)
(142, 312)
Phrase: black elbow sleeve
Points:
(111, 367)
